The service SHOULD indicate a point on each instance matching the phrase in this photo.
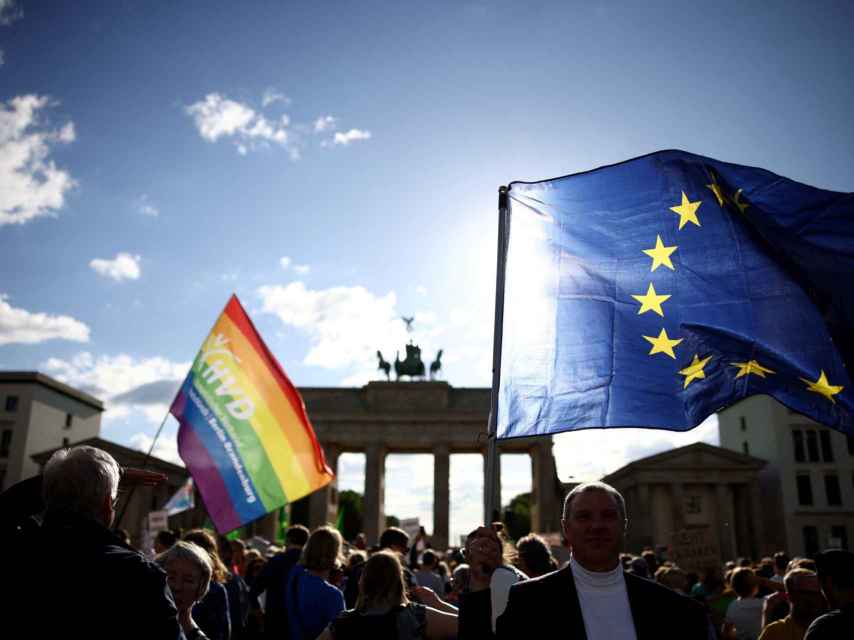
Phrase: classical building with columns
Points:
(700, 487)
(417, 417)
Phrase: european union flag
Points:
(657, 291)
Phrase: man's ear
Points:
(108, 514)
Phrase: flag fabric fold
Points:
(657, 291)
(244, 433)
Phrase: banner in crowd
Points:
(657, 291)
(182, 500)
(244, 433)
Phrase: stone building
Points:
(418, 417)
(701, 487)
(809, 477)
(39, 413)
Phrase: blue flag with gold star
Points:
(655, 292)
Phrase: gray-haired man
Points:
(77, 579)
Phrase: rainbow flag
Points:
(244, 435)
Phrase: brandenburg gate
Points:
(418, 417)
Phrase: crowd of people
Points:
(198, 585)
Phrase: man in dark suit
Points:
(592, 598)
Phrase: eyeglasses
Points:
(115, 501)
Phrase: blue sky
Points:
(337, 164)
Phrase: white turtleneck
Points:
(604, 603)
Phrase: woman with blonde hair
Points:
(383, 611)
(188, 574)
(212, 612)
(312, 602)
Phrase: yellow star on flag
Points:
(660, 254)
(823, 387)
(694, 371)
(746, 368)
(716, 189)
(687, 211)
(736, 200)
(651, 301)
(662, 344)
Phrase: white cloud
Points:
(123, 267)
(271, 95)
(146, 207)
(10, 11)
(421, 290)
(324, 123)
(287, 263)
(345, 325)
(593, 453)
(219, 117)
(19, 326)
(351, 136)
(30, 183)
(68, 133)
(166, 447)
(125, 384)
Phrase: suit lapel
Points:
(644, 626)
(569, 605)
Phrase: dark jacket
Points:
(538, 607)
(273, 579)
(74, 578)
(211, 613)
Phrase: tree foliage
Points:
(517, 516)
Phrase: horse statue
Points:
(436, 365)
(412, 366)
(385, 366)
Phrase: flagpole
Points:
(492, 444)
(144, 465)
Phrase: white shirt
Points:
(604, 603)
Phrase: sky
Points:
(336, 164)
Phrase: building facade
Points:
(38, 413)
(698, 488)
(810, 472)
(382, 418)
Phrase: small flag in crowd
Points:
(182, 500)
(657, 291)
(244, 434)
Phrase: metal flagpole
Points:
(144, 465)
(491, 444)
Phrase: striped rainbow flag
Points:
(244, 434)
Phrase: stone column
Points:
(323, 503)
(374, 492)
(678, 497)
(755, 509)
(545, 504)
(441, 496)
(742, 520)
(726, 525)
(487, 517)
(645, 532)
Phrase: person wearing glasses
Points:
(78, 579)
